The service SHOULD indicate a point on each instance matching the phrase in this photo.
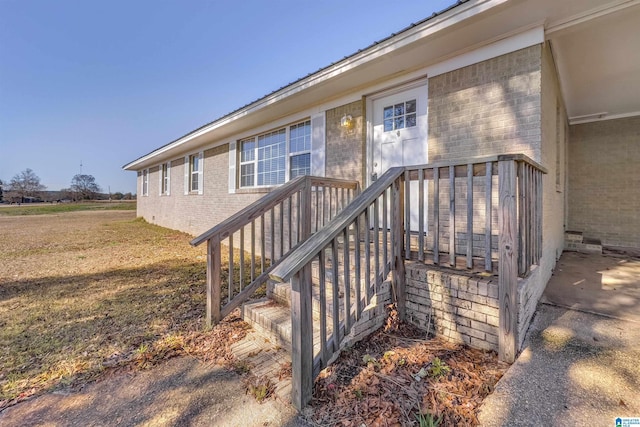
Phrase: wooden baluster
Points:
(324, 355)
(488, 216)
(241, 277)
(385, 225)
(253, 250)
(522, 216)
(469, 216)
(539, 215)
(376, 244)
(281, 210)
(452, 216)
(230, 288)
(436, 215)
(272, 219)
(317, 209)
(335, 294)
(262, 245)
(347, 282)
(356, 260)
(407, 215)
(421, 215)
(213, 281)
(367, 257)
(290, 222)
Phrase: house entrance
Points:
(399, 124)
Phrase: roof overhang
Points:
(597, 54)
(458, 30)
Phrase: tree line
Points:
(26, 186)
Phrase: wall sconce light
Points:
(346, 121)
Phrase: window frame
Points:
(165, 178)
(192, 176)
(288, 155)
(145, 182)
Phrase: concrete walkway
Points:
(183, 392)
(579, 367)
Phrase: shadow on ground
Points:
(577, 368)
(181, 392)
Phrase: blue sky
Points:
(103, 82)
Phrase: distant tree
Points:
(127, 196)
(67, 194)
(117, 196)
(85, 187)
(1, 190)
(25, 184)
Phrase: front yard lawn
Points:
(84, 294)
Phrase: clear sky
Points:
(104, 82)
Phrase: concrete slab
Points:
(577, 369)
(604, 284)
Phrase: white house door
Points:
(400, 137)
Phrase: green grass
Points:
(65, 207)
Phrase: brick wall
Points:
(194, 213)
(345, 149)
(604, 178)
(488, 108)
(456, 306)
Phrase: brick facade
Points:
(194, 213)
(458, 307)
(604, 178)
(488, 108)
(345, 148)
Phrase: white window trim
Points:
(288, 155)
(188, 174)
(144, 183)
(167, 191)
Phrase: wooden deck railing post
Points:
(301, 338)
(213, 281)
(302, 316)
(508, 260)
(397, 226)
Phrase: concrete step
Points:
(576, 241)
(273, 321)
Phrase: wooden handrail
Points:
(310, 248)
(264, 204)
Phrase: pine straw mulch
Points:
(397, 375)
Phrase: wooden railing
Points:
(503, 192)
(266, 232)
(365, 221)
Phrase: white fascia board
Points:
(428, 28)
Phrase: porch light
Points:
(346, 121)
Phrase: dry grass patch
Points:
(85, 293)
